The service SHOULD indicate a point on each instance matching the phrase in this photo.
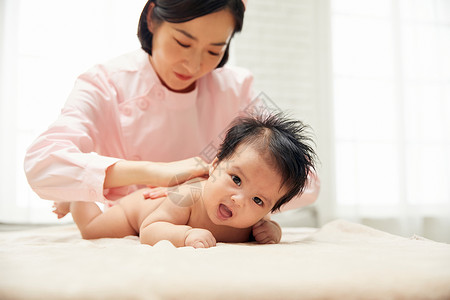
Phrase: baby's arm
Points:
(157, 231)
(178, 235)
(167, 223)
(267, 231)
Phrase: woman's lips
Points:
(182, 77)
(224, 212)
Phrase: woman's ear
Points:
(214, 165)
(150, 25)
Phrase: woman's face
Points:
(184, 52)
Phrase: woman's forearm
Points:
(126, 172)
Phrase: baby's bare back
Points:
(137, 208)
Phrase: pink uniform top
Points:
(120, 110)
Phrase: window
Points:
(391, 74)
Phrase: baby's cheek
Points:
(250, 222)
(206, 191)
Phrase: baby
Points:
(262, 163)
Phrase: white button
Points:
(126, 110)
(143, 104)
(159, 94)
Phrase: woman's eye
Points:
(258, 201)
(181, 44)
(236, 180)
(213, 53)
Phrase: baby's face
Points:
(241, 190)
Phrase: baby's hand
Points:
(199, 238)
(267, 232)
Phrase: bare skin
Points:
(228, 207)
(61, 209)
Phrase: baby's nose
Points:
(237, 199)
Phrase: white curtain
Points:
(391, 78)
(45, 45)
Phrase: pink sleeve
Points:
(61, 164)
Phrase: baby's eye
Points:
(236, 180)
(258, 201)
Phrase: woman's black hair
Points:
(286, 142)
(179, 11)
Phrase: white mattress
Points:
(342, 260)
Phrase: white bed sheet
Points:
(342, 260)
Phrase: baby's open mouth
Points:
(225, 212)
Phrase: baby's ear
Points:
(214, 165)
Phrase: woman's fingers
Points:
(155, 193)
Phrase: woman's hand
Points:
(199, 238)
(182, 195)
(267, 232)
(175, 173)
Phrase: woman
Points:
(145, 117)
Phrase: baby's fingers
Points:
(258, 230)
(212, 241)
(264, 238)
(207, 243)
(260, 222)
(260, 236)
(267, 241)
(199, 244)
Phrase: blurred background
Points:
(371, 77)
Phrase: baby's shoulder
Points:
(169, 209)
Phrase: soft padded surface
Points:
(342, 260)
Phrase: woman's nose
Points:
(193, 62)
